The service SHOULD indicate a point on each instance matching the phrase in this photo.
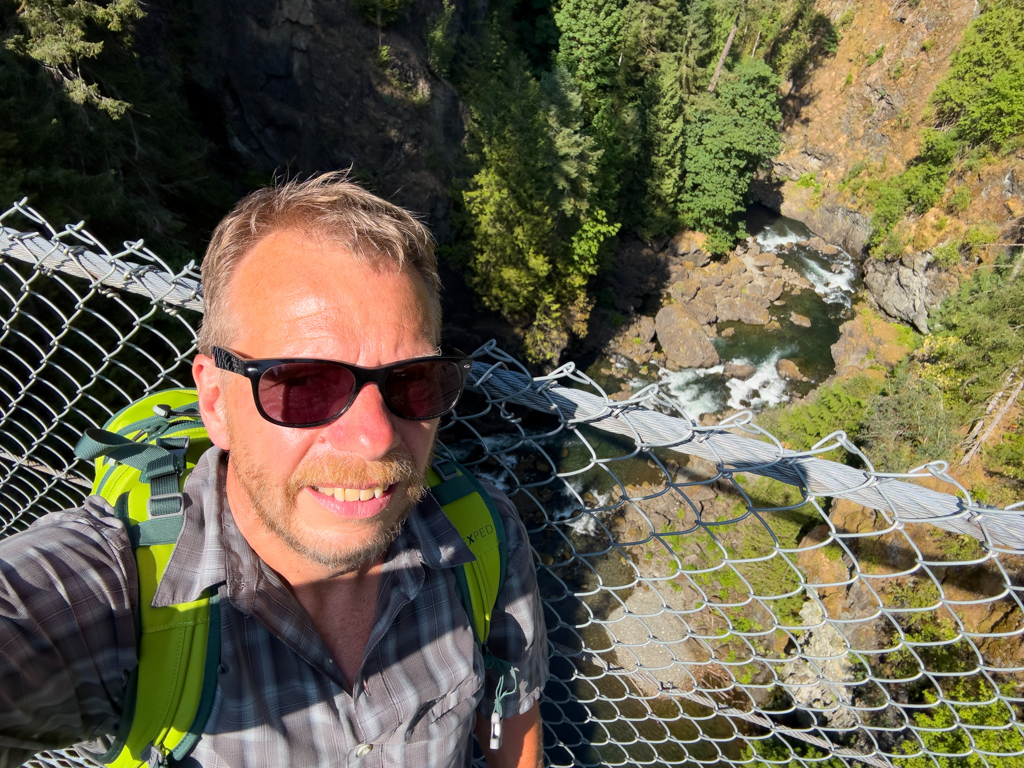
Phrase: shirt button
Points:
(363, 750)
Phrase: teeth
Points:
(351, 494)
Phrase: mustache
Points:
(351, 471)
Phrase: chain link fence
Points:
(711, 597)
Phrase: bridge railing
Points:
(711, 597)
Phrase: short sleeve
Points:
(68, 586)
(518, 634)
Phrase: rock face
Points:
(740, 289)
(801, 320)
(635, 340)
(739, 371)
(868, 340)
(851, 109)
(683, 338)
(298, 87)
(909, 288)
(820, 686)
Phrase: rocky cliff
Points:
(300, 86)
(863, 108)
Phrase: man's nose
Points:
(366, 428)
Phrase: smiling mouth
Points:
(354, 503)
(352, 494)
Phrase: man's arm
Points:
(67, 634)
(522, 741)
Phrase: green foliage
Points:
(440, 50)
(950, 730)
(919, 187)
(1008, 457)
(805, 35)
(907, 424)
(948, 254)
(617, 131)
(980, 235)
(590, 38)
(878, 53)
(960, 200)
(57, 35)
(927, 45)
(536, 237)
(729, 136)
(810, 181)
(840, 405)
(977, 337)
(776, 750)
(980, 98)
(146, 172)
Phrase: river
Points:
(709, 390)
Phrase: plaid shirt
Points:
(68, 588)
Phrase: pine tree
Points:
(730, 133)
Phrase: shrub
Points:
(947, 254)
(879, 53)
(960, 200)
(980, 235)
(907, 424)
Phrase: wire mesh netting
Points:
(711, 597)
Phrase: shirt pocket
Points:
(449, 713)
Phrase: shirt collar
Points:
(212, 551)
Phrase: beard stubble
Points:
(276, 506)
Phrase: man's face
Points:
(295, 296)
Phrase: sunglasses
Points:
(301, 392)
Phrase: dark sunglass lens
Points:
(424, 390)
(305, 393)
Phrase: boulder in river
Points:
(787, 369)
(801, 320)
(745, 309)
(683, 338)
(741, 371)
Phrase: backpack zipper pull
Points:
(496, 727)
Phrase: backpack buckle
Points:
(442, 473)
(161, 507)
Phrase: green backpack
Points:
(143, 456)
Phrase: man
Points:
(343, 638)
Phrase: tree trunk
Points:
(725, 52)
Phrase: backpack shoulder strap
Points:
(474, 515)
(178, 645)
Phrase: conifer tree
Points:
(731, 132)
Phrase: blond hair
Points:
(328, 206)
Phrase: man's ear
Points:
(211, 400)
